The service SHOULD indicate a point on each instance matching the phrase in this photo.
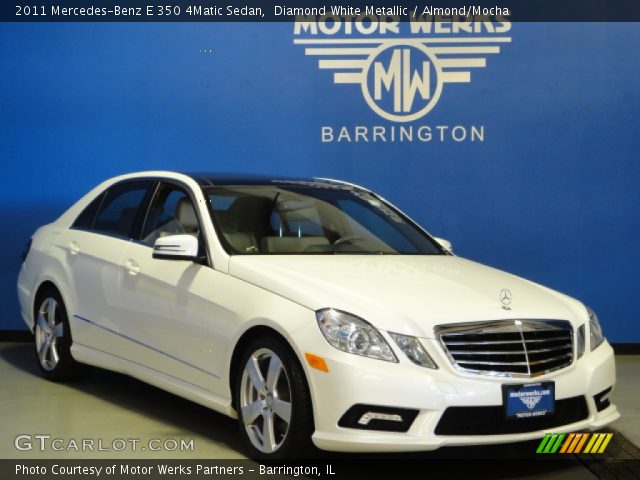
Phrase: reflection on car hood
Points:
(405, 294)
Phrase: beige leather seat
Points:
(186, 216)
(291, 244)
(242, 242)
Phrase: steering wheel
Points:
(348, 238)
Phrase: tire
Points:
(52, 338)
(270, 389)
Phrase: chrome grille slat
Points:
(482, 332)
(477, 362)
(498, 342)
(519, 348)
(547, 360)
(507, 352)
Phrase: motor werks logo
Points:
(401, 67)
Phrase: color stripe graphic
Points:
(574, 443)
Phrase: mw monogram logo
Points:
(400, 66)
(530, 402)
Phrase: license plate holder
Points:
(528, 400)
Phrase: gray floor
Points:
(110, 406)
(627, 396)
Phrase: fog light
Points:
(387, 417)
(378, 417)
(602, 399)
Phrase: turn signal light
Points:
(316, 362)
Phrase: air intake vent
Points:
(511, 348)
(491, 421)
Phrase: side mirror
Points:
(176, 247)
(446, 244)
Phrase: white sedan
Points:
(312, 310)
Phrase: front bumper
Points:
(353, 380)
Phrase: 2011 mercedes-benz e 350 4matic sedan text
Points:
(313, 311)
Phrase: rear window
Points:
(86, 218)
(120, 208)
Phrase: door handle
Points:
(74, 248)
(132, 267)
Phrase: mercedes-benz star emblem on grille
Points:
(505, 297)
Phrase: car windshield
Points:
(311, 218)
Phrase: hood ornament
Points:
(505, 298)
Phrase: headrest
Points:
(185, 214)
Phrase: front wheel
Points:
(53, 338)
(272, 400)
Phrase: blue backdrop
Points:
(551, 194)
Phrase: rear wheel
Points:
(53, 338)
(272, 400)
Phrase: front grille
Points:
(491, 420)
(513, 348)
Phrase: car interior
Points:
(254, 224)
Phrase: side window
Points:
(88, 215)
(120, 208)
(171, 213)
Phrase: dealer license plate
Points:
(529, 400)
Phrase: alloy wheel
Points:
(265, 400)
(48, 331)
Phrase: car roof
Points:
(211, 179)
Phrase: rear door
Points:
(95, 246)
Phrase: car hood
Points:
(407, 294)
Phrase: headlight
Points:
(580, 341)
(413, 349)
(596, 337)
(351, 334)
